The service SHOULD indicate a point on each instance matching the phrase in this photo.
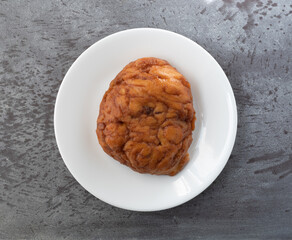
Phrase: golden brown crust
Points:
(146, 118)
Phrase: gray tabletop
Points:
(251, 40)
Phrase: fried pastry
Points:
(146, 118)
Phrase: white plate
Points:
(77, 107)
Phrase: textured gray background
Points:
(251, 40)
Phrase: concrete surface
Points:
(251, 40)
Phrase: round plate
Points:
(77, 108)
